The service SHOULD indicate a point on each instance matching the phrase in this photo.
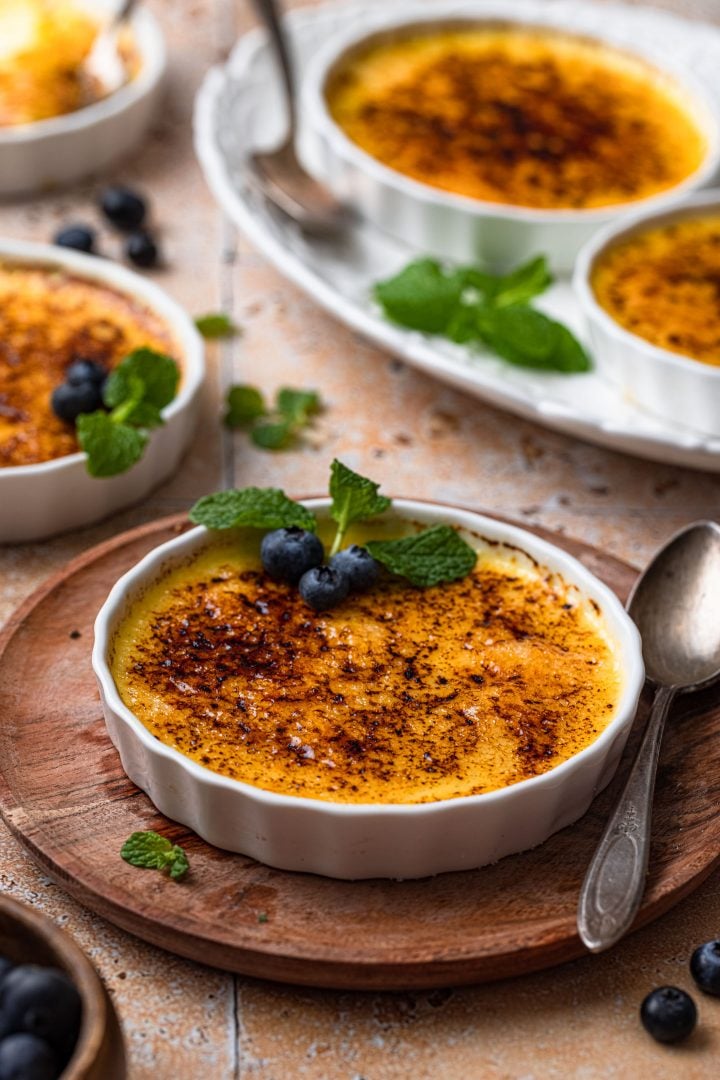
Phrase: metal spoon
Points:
(676, 607)
(104, 64)
(283, 179)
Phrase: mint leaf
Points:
(111, 447)
(245, 404)
(275, 436)
(157, 375)
(354, 498)
(528, 338)
(216, 325)
(429, 557)
(154, 852)
(525, 282)
(421, 297)
(259, 508)
(297, 406)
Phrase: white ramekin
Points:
(49, 153)
(455, 226)
(362, 840)
(37, 501)
(665, 383)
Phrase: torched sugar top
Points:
(401, 695)
(522, 116)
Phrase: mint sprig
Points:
(154, 852)
(467, 305)
(216, 325)
(354, 498)
(258, 508)
(136, 392)
(426, 558)
(271, 427)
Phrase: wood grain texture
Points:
(65, 797)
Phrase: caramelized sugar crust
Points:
(48, 318)
(664, 285)
(517, 116)
(401, 695)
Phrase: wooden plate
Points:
(65, 797)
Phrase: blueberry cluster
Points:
(81, 392)
(668, 1013)
(126, 211)
(40, 1012)
(296, 556)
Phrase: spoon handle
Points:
(615, 880)
(269, 12)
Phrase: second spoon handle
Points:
(615, 881)
(269, 12)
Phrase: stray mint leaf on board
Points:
(427, 558)
(354, 498)
(154, 852)
(111, 447)
(245, 405)
(271, 428)
(259, 508)
(216, 325)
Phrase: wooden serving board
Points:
(65, 797)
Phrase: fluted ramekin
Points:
(456, 226)
(37, 501)
(50, 153)
(369, 840)
(665, 383)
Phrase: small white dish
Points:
(454, 226)
(240, 107)
(354, 841)
(671, 385)
(37, 501)
(62, 149)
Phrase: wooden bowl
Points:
(28, 937)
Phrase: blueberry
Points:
(705, 967)
(668, 1014)
(286, 554)
(85, 371)
(43, 1002)
(78, 237)
(5, 966)
(358, 566)
(123, 207)
(141, 249)
(25, 1057)
(323, 587)
(68, 401)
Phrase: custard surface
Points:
(520, 116)
(400, 695)
(43, 46)
(48, 318)
(664, 285)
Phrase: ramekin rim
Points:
(124, 280)
(319, 122)
(622, 628)
(153, 51)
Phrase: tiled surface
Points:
(186, 1022)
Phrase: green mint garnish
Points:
(258, 508)
(427, 558)
(216, 325)
(152, 851)
(354, 498)
(469, 306)
(273, 428)
(262, 917)
(135, 392)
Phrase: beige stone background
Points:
(183, 1021)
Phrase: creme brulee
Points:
(663, 284)
(48, 319)
(400, 695)
(522, 116)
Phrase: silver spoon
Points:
(104, 64)
(282, 178)
(676, 607)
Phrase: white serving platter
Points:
(239, 107)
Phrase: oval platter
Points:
(65, 797)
